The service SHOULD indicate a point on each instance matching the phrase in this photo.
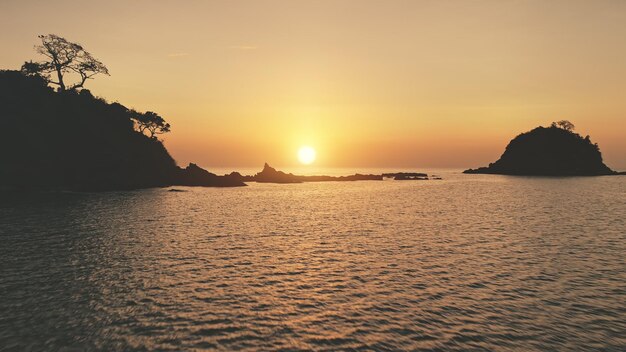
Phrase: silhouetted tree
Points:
(63, 57)
(150, 123)
(564, 124)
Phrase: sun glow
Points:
(306, 155)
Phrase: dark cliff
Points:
(75, 141)
(549, 151)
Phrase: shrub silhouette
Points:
(150, 123)
(564, 124)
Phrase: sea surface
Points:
(470, 262)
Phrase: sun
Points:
(306, 155)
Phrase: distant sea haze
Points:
(470, 262)
(330, 171)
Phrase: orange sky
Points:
(367, 83)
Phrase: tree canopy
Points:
(150, 123)
(67, 60)
(63, 58)
(564, 124)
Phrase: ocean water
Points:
(471, 262)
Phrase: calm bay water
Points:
(470, 262)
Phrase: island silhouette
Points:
(75, 141)
(67, 139)
(70, 140)
(271, 175)
(549, 151)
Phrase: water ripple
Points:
(469, 263)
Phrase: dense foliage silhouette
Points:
(549, 151)
(73, 140)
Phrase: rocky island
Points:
(71, 140)
(549, 151)
(271, 175)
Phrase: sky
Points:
(411, 84)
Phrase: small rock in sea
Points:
(176, 190)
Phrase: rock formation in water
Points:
(74, 141)
(271, 175)
(193, 175)
(403, 176)
(549, 151)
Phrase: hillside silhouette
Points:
(73, 140)
(549, 151)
